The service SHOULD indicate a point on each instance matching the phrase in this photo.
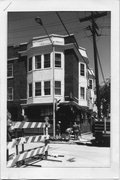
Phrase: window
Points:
(38, 89)
(82, 69)
(90, 84)
(10, 70)
(57, 60)
(10, 94)
(30, 90)
(47, 88)
(46, 60)
(82, 92)
(58, 87)
(38, 62)
(30, 64)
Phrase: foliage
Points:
(105, 97)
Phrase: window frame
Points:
(11, 76)
(90, 87)
(29, 90)
(57, 88)
(30, 58)
(36, 63)
(57, 53)
(82, 71)
(82, 94)
(11, 94)
(47, 60)
(38, 89)
(47, 88)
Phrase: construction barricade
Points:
(21, 140)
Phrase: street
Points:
(73, 155)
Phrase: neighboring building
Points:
(36, 67)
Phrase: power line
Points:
(76, 44)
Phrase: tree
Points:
(105, 97)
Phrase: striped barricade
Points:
(20, 141)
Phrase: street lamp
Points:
(39, 21)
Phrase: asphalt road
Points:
(73, 155)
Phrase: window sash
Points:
(30, 90)
(38, 89)
(82, 69)
(82, 93)
(10, 70)
(57, 60)
(58, 87)
(47, 88)
(38, 62)
(30, 64)
(46, 60)
(10, 94)
(90, 84)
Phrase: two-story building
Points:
(41, 73)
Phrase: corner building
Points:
(40, 73)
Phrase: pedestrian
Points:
(75, 130)
(46, 126)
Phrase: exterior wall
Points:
(18, 82)
(71, 74)
(45, 74)
(82, 83)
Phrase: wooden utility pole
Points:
(93, 28)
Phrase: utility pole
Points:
(94, 32)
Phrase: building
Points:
(40, 73)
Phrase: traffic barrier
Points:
(26, 154)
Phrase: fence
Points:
(21, 139)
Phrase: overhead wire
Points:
(75, 44)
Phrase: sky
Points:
(22, 28)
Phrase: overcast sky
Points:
(22, 27)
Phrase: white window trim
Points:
(61, 88)
(84, 93)
(61, 60)
(44, 61)
(35, 89)
(28, 90)
(92, 82)
(12, 94)
(28, 64)
(41, 61)
(9, 77)
(44, 89)
(84, 69)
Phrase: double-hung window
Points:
(38, 89)
(30, 64)
(46, 60)
(10, 94)
(82, 69)
(90, 84)
(10, 70)
(82, 93)
(38, 62)
(47, 88)
(57, 60)
(58, 87)
(30, 90)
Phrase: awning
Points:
(74, 104)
